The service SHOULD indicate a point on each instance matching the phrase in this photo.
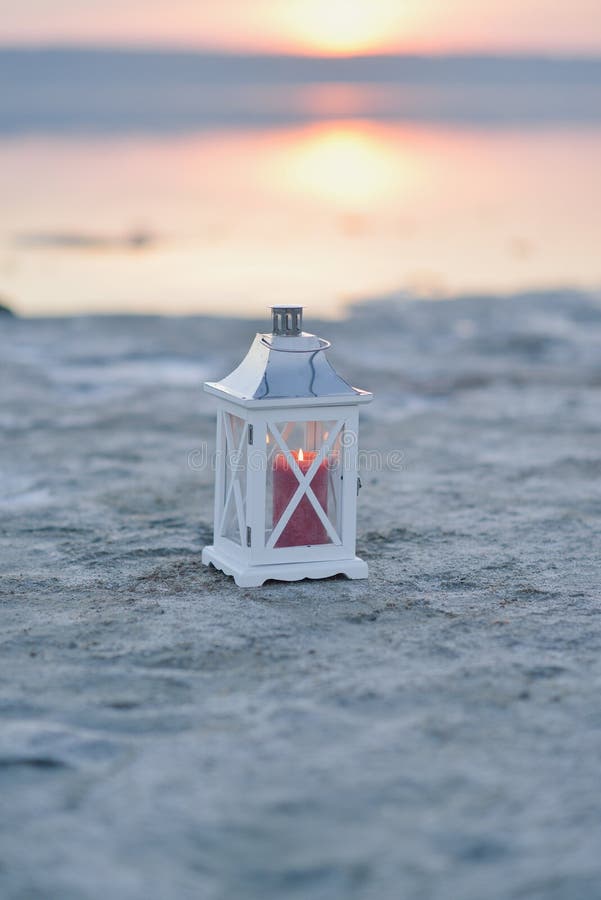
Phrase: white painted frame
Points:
(263, 551)
(234, 493)
(251, 565)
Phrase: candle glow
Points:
(304, 528)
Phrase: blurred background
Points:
(183, 156)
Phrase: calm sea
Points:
(305, 193)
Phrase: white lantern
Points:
(286, 462)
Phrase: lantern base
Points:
(254, 576)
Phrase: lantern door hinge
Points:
(250, 434)
(248, 535)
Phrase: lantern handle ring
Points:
(323, 345)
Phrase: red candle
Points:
(304, 525)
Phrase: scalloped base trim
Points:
(255, 576)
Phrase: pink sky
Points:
(329, 26)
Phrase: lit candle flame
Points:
(300, 455)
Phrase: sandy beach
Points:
(434, 732)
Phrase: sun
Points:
(340, 27)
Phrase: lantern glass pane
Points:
(304, 484)
(234, 499)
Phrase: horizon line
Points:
(551, 55)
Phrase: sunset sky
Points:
(312, 26)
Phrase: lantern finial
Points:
(287, 320)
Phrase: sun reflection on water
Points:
(316, 213)
(349, 163)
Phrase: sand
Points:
(434, 732)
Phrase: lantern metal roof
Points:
(287, 367)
